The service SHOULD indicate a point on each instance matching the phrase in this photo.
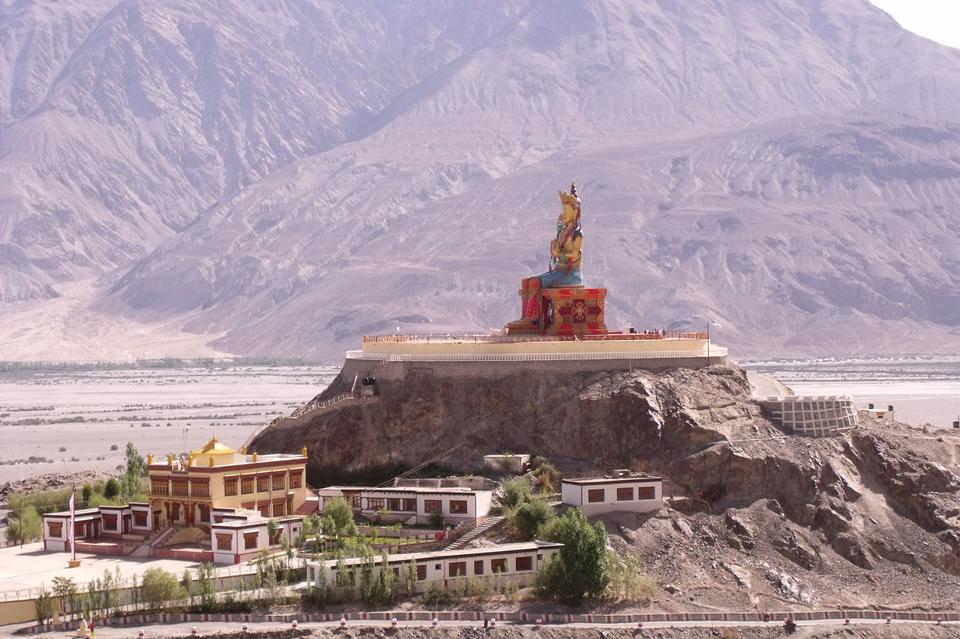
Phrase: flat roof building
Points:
(624, 493)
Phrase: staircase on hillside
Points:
(486, 525)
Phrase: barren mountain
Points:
(289, 176)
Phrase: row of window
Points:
(251, 540)
(599, 495)
(263, 483)
(457, 506)
(454, 569)
(161, 488)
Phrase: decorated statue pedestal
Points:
(556, 302)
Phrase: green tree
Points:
(515, 492)
(579, 569)
(136, 471)
(24, 526)
(160, 587)
(186, 582)
(206, 587)
(112, 488)
(86, 493)
(65, 590)
(529, 518)
(341, 514)
(44, 605)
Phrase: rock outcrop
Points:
(879, 499)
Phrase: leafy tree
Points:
(436, 520)
(529, 518)
(206, 587)
(580, 569)
(66, 591)
(44, 606)
(627, 580)
(112, 488)
(25, 526)
(86, 493)
(136, 471)
(186, 582)
(549, 477)
(341, 514)
(515, 492)
(160, 587)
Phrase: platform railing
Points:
(498, 338)
(716, 352)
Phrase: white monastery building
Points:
(622, 493)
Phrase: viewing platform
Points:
(506, 347)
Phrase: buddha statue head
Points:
(570, 211)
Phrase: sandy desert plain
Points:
(82, 420)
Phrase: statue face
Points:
(568, 216)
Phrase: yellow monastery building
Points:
(212, 504)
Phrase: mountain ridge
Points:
(430, 193)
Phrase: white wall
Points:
(438, 569)
(577, 495)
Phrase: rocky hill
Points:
(283, 178)
(867, 517)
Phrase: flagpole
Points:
(73, 523)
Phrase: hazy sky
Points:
(935, 19)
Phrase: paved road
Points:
(212, 628)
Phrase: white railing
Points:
(716, 351)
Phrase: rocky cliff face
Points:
(879, 500)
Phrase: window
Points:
(478, 567)
(224, 541)
(158, 487)
(457, 569)
(625, 494)
(250, 540)
(595, 495)
(393, 504)
(279, 509)
(139, 518)
(296, 478)
(246, 485)
(110, 522)
(179, 489)
(279, 481)
(458, 506)
(421, 572)
(646, 492)
(199, 489)
(524, 563)
(230, 486)
(263, 483)
(432, 506)
(408, 505)
(264, 510)
(375, 503)
(204, 513)
(498, 565)
(55, 528)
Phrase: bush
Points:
(579, 569)
(549, 477)
(515, 492)
(627, 581)
(160, 587)
(529, 518)
(112, 488)
(24, 526)
(338, 514)
(436, 520)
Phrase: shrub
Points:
(112, 488)
(579, 569)
(24, 526)
(436, 520)
(627, 581)
(339, 514)
(515, 492)
(436, 595)
(160, 587)
(114, 447)
(549, 477)
(529, 518)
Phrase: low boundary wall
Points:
(514, 617)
